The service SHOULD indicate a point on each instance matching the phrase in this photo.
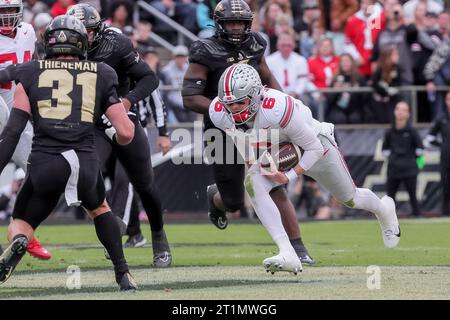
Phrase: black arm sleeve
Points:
(11, 134)
(108, 84)
(146, 81)
(8, 74)
(387, 141)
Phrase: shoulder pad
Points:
(204, 49)
(277, 107)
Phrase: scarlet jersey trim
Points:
(286, 118)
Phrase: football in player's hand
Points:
(286, 157)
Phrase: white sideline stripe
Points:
(127, 212)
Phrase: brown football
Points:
(286, 157)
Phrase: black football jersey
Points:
(66, 98)
(217, 55)
(117, 51)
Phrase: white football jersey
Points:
(13, 51)
(288, 120)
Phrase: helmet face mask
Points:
(65, 35)
(228, 11)
(238, 84)
(91, 19)
(10, 16)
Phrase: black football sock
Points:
(108, 232)
(298, 245)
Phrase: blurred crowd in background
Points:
(312, 44)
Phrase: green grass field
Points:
(213, 264)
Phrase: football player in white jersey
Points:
(242, 98)
(17, 44)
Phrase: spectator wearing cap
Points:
(40, 23)
(31, 8)
(174, 73)
(432, 27)
(432, 6)
(311, 13)
(60, 7)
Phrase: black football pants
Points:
(410, 184)
(136, 161)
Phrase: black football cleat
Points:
(127, 283)
(218, 217)
(11, 257)
(162, 258)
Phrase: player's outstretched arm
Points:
(193, 89)
(120, 121)
(17, 121)
(8, 74)
(146, 81)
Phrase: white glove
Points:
(110, 132)
(106, 121)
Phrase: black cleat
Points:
(218, 217)
(11, 257)
(162, 258)
(135, 241)
(127, 283)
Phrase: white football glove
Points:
(106, 121)
(110, 132)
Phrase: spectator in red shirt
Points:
(324, 65)
(60, 7)
(361, 33)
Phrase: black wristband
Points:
(163, 131)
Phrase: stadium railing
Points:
(321, 114)
(182, 32)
